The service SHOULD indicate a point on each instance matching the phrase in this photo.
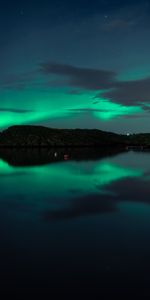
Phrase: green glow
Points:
(110, 172)
(42, 181)
(55, 103)
(41, 105)
(110, 110)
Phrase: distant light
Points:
(128, 134)
(55, 154)
(66, 157)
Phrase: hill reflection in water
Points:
(34, 156)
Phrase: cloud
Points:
(132, 190)
(118, 24)
(124, 190)
(104, 82)
(136, 116)
(84, 78)
(84, 206)
(126, 16)
(127, 93)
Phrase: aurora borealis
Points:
(75, 64)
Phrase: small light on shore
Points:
(128, 134)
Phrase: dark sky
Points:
(75, 64)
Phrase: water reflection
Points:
(72, 188)
(83, 221)
(34, 156)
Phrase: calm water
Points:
(74, 221)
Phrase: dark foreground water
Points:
(79, 221)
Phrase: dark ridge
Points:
(39, 136)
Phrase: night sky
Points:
(75, 64)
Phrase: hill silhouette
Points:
(40, 136)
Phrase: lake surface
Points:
(74, 221)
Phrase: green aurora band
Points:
(39, 105)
